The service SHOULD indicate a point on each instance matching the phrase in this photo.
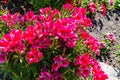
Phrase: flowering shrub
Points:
(52, 45)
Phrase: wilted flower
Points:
(56, 76)
(102, 44)
(2, 58)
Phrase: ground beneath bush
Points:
(108, 24)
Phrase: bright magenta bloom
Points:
(41, 43)
(98, 74)
(92, 6)
(59, 62)
(82, 60)
(84, 34)
(87, 22)
(11, 40)
(67, 7)
(84, 71)
(30, 34)
(10, 19)
(68, 35)
(34, 56)
(93, 44)
(30, 16)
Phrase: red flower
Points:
(92, 6)
(59, 62)
(34, 56)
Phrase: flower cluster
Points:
(86, 65)
(49, 40)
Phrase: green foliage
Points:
(117, 4)
(37, 4)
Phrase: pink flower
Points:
(110, 36)
(84, 35)
(59, 62)
(111, 2)
(30, 34)
(45, 10)
(84, 71)
(68, 35)
(93, 44)
(98, 74)
(42, 42)
(92, 6)
(2, 58)
(30, 16)
(11, 40)
(34, 56)
(103, 9)
(10, 19)
(82, 60)
(67, 7)
(87, 22)
(45, 76)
